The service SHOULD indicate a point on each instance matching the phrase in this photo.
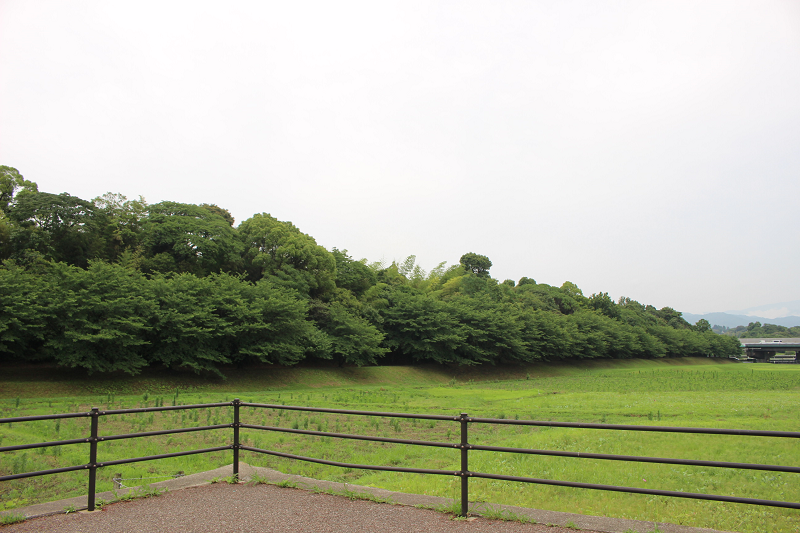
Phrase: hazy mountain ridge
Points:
(773, 311)
(732, 320)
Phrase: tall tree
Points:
(476, 263)
(603, 303)
(352, 275)
(188, 238)
(12, 182)
(61, 227)
(217, 210)
(280, 252)
(122, 224)
(702, 325)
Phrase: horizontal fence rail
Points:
(463, 446)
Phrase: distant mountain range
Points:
(782, 314)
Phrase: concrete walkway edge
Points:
(249, 473)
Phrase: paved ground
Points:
(201, 506)
(231, 508)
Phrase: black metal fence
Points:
(464, 447)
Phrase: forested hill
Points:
(116, 284)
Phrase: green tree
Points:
(268, 322)
(602, 336)
(492, 330)
(440, 275)
(474, 285)
(26, 315)
(122, 224)
(12, 182)
(546, 334)
(533, 296)
(723, 345)
(604, 304)
(188, 238)
(476, 263)
(102, 316)
(352, 275)
(61, 227)
(575, 296)
(672, 317)
(280, 252)
(202, 323)
(185, 330)
(546, 297)
(217, 210)
(702, 325)
(419, 328)
(350, 337)
(7, 229)
(391, 275)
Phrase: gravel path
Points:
(244, 508)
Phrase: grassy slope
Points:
(47, 381)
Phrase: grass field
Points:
(677, 392)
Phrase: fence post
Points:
(236, 402)
(464, 466)
(95, 415)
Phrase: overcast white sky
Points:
(646, 149)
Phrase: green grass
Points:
(497, 513)
(11, 518)
(684, 392)
(43, 381)
(352, 495)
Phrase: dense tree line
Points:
(114, 284)
(755, 330)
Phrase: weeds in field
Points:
(11, 518)
(639, 393)
(255, 479)
(139, 492)
(352, 495)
